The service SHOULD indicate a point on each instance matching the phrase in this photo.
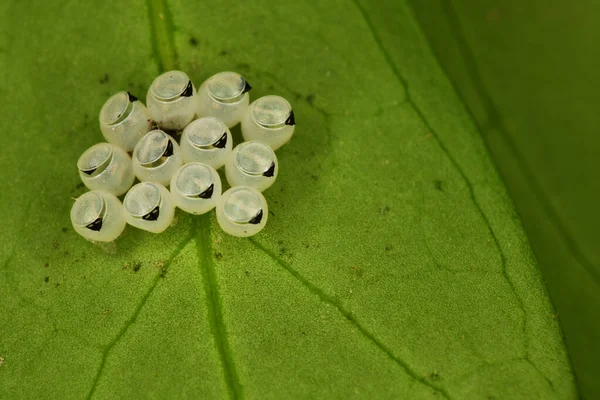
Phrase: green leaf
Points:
(393, 265)
(532, 90)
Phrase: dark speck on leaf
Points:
(434, 376)
(310, 99)
(385, 210)
(64, 229)
(55, 244)
(223, 53)
(57, 284)
(193, 41)
(163, 273)
(243, 66)
(247, 273)
(306, 245)
(271, 212)
(388, 248)
(46, 265)
(136, 266)
(314, 177)
(439, 185)
(218, 256)
(281, 251)
(47, 279)
(104, 79)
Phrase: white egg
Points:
(206, 140)
(224, 96)
(106, 167)
(269, 119)
(98, 216)
(242, 211)
(124, 120)
(172, 100)
(252, 164)
(156, 157)
(149, 206)
(195, 188)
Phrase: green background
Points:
(393, 265)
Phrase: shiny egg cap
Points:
(89, 211)
(195, 180)
(227, 87)
(143, 201)
(172, 86)
(273, 112)
(256, 159)
(154, 149)
(207, 133)
(95, 159)
(117, 108)
(243, 206)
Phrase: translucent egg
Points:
(172, 100)
(269, 119)
(106, 167)
(195, 188)
(242, 211)
(224, 96)
(156, 157)
(124, 120)
(252, 164)
(149, 206)
(98, 216)
(206, 140)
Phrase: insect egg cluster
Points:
(141, 143)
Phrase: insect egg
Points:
(196, 187)
(172, 100)
(224, 96)
(98, 216)
(149, 206)
(106, 167)
(269, 119)
(242, 211)
(252, 164)
(156, 157)
(124, 120)
(206, 140)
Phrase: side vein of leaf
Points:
(496, 122)
(461, 172)
(108, 348)
(214, 306)
(348, 315)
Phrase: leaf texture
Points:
(393, 264)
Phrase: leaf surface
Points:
(393, 264)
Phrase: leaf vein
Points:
(459, 169)
(108, 348)
(348, 315)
